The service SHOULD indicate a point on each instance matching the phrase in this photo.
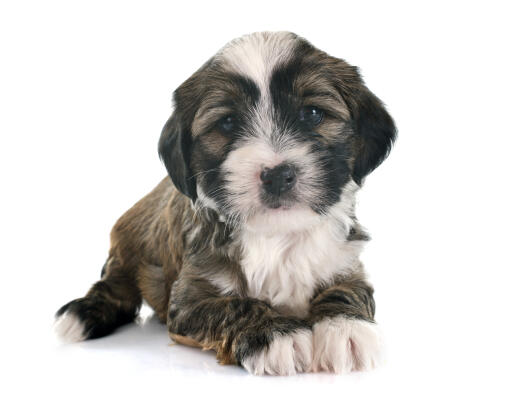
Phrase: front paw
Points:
(343, 345)
(285, 355)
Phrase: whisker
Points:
(205, 172)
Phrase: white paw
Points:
(286, 355)
(342, 345)
(69, 328)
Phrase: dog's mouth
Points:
(271, 202)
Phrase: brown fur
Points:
(148, 243)
(166, 217)
(179, 257)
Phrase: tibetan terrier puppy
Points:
(251, 246)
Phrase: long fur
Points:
(251, 246)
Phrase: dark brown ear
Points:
(174, 148)
(375, 130)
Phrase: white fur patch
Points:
(287, 254)
(204, 200)
(343, 345)
(226, 282)
(256, 55)
(286, 355)
(69, 328)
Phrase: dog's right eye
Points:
(227, 124)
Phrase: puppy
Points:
(251, 247)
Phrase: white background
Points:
(85, 88)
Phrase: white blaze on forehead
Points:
(256, 55)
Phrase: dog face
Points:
(271, 126)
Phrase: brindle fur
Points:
(168, 248)
(146, 257)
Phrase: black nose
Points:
(278, 180)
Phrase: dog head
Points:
(271, 126)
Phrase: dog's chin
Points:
(282, 218)
(278, 205)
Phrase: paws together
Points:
(337, 345)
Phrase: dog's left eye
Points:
(227, 124)
(311, 115)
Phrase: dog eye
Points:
(311, 115)
(227, 124)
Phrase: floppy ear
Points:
(174, 148)
(375, 130)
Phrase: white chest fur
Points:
(284, 267)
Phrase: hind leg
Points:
(113, 301)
